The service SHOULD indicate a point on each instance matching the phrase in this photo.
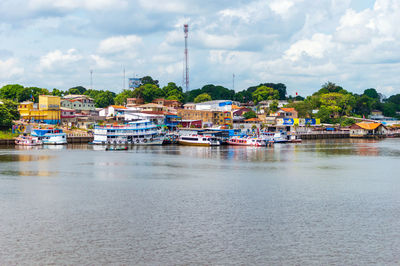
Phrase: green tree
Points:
(57, 92)
(79, 90)
(218, 92)
(191, 95)
(250, 114)
(12, 107)
(204, 97)
(92, 93)
(389, 109)
(372, 93)
(38, 91)
(303, 108)
(345, 122)
(265, 93)
(148, 80)
(274, 106)
(104, 99)
(363, 105)
(328, 88)
(325, 115)
(120, 99)
(6, 118)
(24, 94)
(148, 92)
(10, 91)
(173, 92)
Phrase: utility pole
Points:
(233, 81)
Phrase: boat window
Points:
(204, 139)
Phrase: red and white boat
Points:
(28, 141)
(247, 141)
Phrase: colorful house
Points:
(367, 130)
(48, 110)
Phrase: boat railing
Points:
(337, 132)
(128, 133)
(79, 135)
(125, 127)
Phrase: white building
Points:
(116, 111)
(218, 105)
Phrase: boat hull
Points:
(186, 143)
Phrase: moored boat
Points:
(247, 141)
(198, 140)
(50, 135)
(294, 139)
(28, 141)
(141, 132)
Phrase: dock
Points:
(79, 138)
(324, 135)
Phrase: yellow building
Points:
(223, 118)
(48, 111)
(217, 118)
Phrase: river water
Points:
(319, 202)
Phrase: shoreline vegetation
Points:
(7, 134)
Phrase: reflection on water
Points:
(319, 202)
(11, 157)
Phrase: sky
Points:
(301, 43)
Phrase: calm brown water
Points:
(320, 202)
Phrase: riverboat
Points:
(276, 137)
(24, 140)
(50, 135)
(141, 132)
(198, 140)
(248, 141)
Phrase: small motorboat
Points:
(294, 139)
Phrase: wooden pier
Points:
(324, 135)
(7, 142)
(79, 138)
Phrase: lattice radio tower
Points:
(186, 76)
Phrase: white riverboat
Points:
(198, 140)
(142, 132)
(50, 135)
(276, 137)
(247, 141)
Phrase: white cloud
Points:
(76, 4)
(281, 7)
(57, 59)
(101, 62)
(119, 44)
(9, 68)
(165, 6)
(314, 47)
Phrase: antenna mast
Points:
(186, 31)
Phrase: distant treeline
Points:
(331, 103)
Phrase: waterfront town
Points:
(261, 114)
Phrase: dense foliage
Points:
(204, 97)
(331, 103)
(8, 113)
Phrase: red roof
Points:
(288, 109)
